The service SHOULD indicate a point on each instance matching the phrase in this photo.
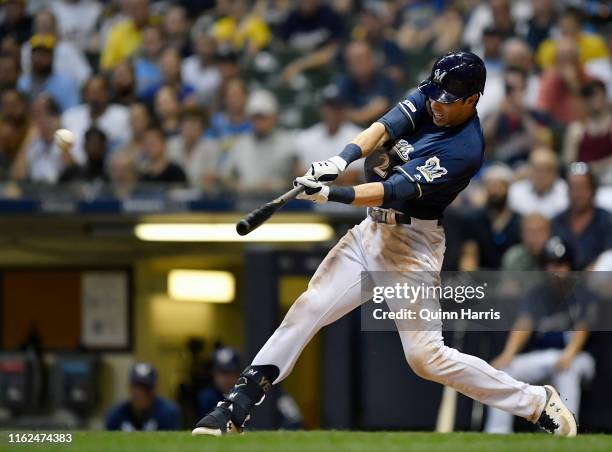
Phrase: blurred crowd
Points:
(243, 95)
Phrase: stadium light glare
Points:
(226, 232)
(201, 285)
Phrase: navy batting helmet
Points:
(454, 76)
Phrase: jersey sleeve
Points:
(433, 172)
(404, 118)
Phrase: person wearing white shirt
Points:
(323, 139)
(199, 70)
(67, 57)
(77, 20)
(112, 119)
(198, 156)
(543, 191)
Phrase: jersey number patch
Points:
(383, 166)
(432, 169)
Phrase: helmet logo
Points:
(439, 75)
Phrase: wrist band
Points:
(350, 153)
(345, 195)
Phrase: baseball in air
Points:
(64, 138)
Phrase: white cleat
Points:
(556, 417)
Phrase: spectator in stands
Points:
(170, 65)
(231, 120)
(561, 84)
(314, 30)
(492, 40)
(14, 127)
(67, 56)
(367, 91)
(429, 27)
(514, 129)
(144, 410)
(17, 23)
(176, 30)
(44, 79)
(77, 20)
(123, 84)
(97, 110)
(547, 341)
(326, 137)
(242, 29)
(146, 61)
(140, 121)
(158, 168)
(525, 256)
(168, 110)
(198, 156)
(590, 139)
(587, 229)
(541, 23)
(96, 148)
(372, 28)
(42, 160)
(588, 45)
(9, 72)
(491, 230)
(265, 159)
(228, 65)
(122, 172)
(496, 14)
(126, 36)
(543, 191)
(200, 70)
(600, 68)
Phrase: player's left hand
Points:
(315, 191)
(326, 170)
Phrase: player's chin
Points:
(439, 121)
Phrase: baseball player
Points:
(419, 156)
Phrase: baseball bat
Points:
(260, 215)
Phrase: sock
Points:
(250, 390)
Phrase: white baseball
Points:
(64, 138)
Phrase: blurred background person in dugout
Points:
(226, 368)
(549, 338)
(144, 410)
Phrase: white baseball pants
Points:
(538, 366)
(335, 290)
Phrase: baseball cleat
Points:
(556, 418)
(217, 423)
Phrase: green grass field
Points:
(319, 441)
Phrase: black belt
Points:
(390, 216)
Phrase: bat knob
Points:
(243, 227)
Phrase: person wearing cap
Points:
(264, 159)
(548, 341)
(144, 410)
(324, 138)
(68, 58)
(43, 79)
(494, 228)
(587, 228)
(226, 367)
(419, 156)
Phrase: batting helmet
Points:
(454, 76)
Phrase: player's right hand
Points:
(326, 171)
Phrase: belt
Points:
(391, 216)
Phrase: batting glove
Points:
(326, 171)
(315, 191)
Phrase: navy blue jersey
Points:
(439, 161)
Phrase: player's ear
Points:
(473, 99)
